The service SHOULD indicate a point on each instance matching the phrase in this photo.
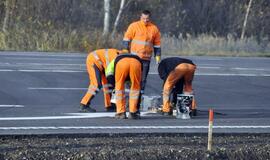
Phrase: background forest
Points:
(188, 27)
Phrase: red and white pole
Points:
(210, 129)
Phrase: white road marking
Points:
(254, 69)
(41, 54)
(45, 58)
(11, 106)
(224, 74)
(233, 74)
(208, 67)
(42, 88)
(42, 64)
(132, 127)
(150, 73)
(42, 70)
(6, 70)
(72, 116)
(50, 117)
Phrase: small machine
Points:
(113, 98)
(183, 106)
(151, 103)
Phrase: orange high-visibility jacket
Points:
(142, 39)
(103, 57)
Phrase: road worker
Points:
(96, 64)
(177, 74)
(126, 67)
(142, 38)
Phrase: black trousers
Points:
(145, 70)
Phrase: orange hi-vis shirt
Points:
(142, 38)
(103, 57)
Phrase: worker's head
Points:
(145, 16)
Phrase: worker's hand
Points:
(157, 59)
(124, 51)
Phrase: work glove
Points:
(157, 59)
(124, 51)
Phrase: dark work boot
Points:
(111, 108)
(134, 115)
(193, 112)
(121, 115)
(170, 113)
(85, 108)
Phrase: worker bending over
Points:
(177, 74)
(126, 67)
(96, 63)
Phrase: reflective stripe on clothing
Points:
(119, 97)
(107, 85)
(96, 57)
(108, 91)
(107, 57)
(93, 90)
(125, 39)
(119, 91)
(134, 94)
(119, 94)
(142, 43)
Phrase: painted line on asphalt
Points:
(42, 54)
(255, 69)
(71, 116)
(42, 70)
(43, 88)
(208, 67)
(48, 118)
(225, 74)
(150, 73)
(11, 106)
(41, 64)
(233, 74)
(132, 127)
(46, 58)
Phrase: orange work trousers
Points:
(183, 70)
(127, 67)
(97, 81)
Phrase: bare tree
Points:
(106, 17)
(245, 21)
(7, 13)
(118, 17)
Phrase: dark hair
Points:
(146, 12)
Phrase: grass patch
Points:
(85, 40)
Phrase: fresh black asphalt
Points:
(40, 94)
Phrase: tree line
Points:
(236, 18)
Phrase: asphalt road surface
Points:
(40, 94)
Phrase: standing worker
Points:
(177, 74)
(126, 67)
(96, 64)
(142, 38)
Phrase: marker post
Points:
(210, 129)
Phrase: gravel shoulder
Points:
(135, 146)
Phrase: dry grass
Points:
(25, 39)
(214, 46)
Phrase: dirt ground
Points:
(135, 146)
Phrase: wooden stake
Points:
(210, 129)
